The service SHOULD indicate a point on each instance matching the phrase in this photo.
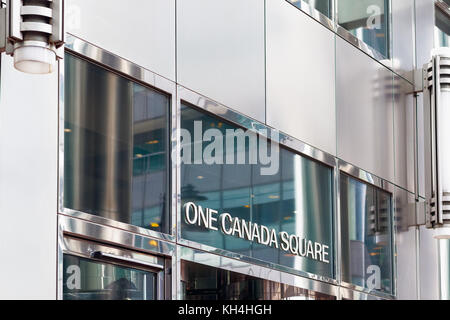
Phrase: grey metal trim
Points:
(92, 231)
(118, 64)
(248, 123)
(337, 223)
(360, 289)
(361, 45)
(59, 261)
(253, 261)
(226, 263)
(347, 36)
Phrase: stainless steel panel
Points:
(424, 31)
(429, 269)
(349, 294)
(317, 10)
(364, 111)
(421, 207)
(404, 134)
(403, 38)
(242, 267)
(405, 241)
(300, 78)
(241, 120)
(140, 31)
(220, 52)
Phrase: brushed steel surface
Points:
(300, 77)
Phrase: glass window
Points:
(367, 258)
(296, 198)
(115, 147)
(200, 282)
(86, 279)
(442, 28)
(323, 6)
(368, 21)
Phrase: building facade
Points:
(205, 149)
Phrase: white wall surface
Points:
(28, 183)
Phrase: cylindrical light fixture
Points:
(34, 34)
(437, 98)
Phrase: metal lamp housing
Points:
(34, 34)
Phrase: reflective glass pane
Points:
(442, 27)
(115, 147)
(86, 279)
(201, 282)
(323, 6)
(367, 259)
(295, 198)
(367, 20)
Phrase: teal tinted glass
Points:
(367, 251)
(323, 6)
(296, 199)
(115, 147)
(86, 279)
(368, 21)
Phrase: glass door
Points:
(92, 271)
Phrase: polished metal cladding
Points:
(364, 111)
(221, 52)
